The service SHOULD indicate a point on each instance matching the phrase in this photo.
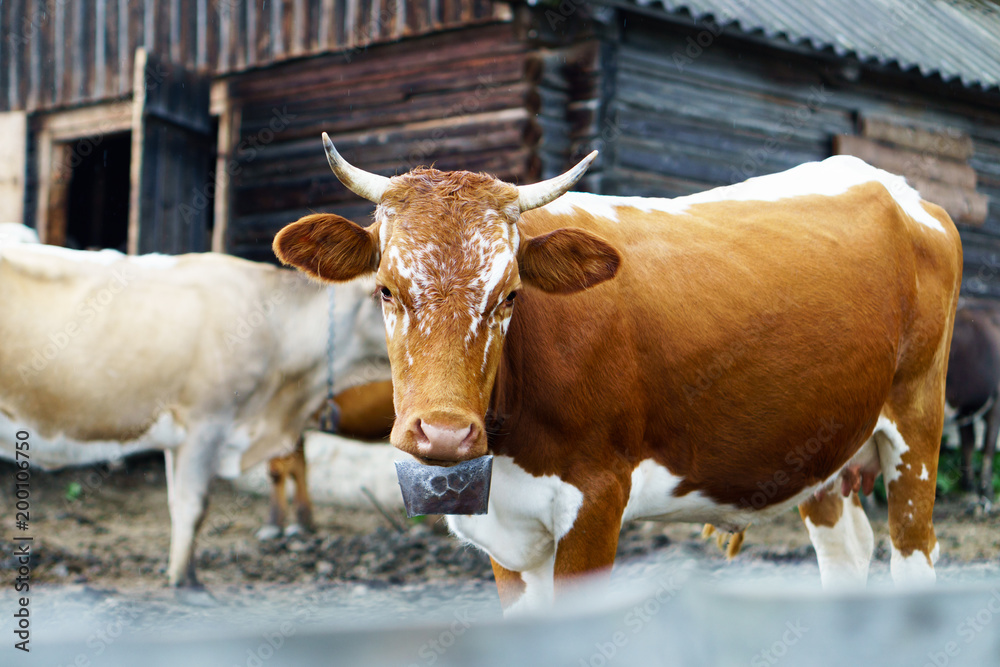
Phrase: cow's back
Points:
(734, 332)
(96, 345)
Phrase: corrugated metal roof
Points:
(955, 39)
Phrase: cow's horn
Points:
(360, 182)
(540, 194)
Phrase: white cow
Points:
(215, 360)
(15, 232)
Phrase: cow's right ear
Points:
(328, 247)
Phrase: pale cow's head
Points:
(450, 259)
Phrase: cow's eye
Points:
(510, 298)
(385, 293)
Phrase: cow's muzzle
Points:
(443, 438)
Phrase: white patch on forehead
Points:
(486, 351)
(496, 272)
(831, 177)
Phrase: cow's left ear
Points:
(566, 260)
(328, 247)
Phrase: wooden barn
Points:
(176, 125)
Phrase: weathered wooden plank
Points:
(110, 87)
(350, 23)
(201, 34)
(6, 64)
(100, 49)
(327, 29)
(80, 37)
(736, 108)
(229, 120)
(298, 192)
(164, 29)
(275, 24)
(691, 160)
(300, 24)
(170, 206)
(626, 182)
(149, 26)
(249, 41)
(225, 58)
(411, 111)
(131, 40)
(910, 164)
(495, 40)
(963, 205)
(410, 143)
(945, 142)
(382, 96)
(121, 37)
(13, 157)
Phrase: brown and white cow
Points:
(712, 358)
(365, 413)
(217, 361)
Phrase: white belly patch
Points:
(61, 452)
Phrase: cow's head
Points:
(450, 259)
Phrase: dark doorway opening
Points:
(98, 202)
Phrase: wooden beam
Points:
(942, 142)
(965, 206)
(13, 159)
(138, 137)
(87, 121)
(910, 164)
(229, 124)
(327, 30)
(57, 199)
(100, 48)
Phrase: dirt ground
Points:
(111, 529)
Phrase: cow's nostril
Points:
(419, 431)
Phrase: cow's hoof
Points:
(296, 529)
(269, 532)
(195, 596)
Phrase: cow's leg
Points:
(510, 585)
(908, 449)
(589, 547)
(989, 451)
(193, 469)
(277, 471)
(303, 505)
(967, 436)
(842, 537)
